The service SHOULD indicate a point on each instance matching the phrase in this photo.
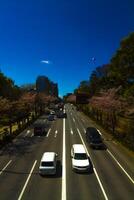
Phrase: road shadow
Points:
(101, 148)
(18, 172)
(21, 146)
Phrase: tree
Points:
(122, 64)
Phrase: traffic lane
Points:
(124, 156)
(42, 187)
(13, 177)
(113, 178)
(23, 151)
(79, 185)
(116, 183)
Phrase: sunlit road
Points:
(111, 178)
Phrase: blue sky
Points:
(65, 34)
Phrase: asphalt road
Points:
(111, 177)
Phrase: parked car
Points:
(94, 138)
(80, 160)
(48, 164)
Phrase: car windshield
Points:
(80, 156)
(48, 164)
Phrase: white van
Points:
(48, 163)
(80, 160)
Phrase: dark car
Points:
(39, 129)
(94, 138)
(51, 117)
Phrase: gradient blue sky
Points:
(68, 33)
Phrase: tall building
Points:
(54, 89)
(43, 84)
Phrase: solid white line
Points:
(5, 167)
(63, 196)
(48, 132)
(73, 119)
(104, 193)
(32, 135)
(56, 133)
(121, 166)
(22, 192)
(99, 181)
(72, 132)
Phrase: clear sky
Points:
(58, 38)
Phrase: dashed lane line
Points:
(1, 171)
(56, 133)
(73, 119)
(48, 132)
(71, 132)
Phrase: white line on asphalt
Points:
(99, 132)
(63, 196)
(99, 181)
(1, 171)
(73, 119)
(22, 192)
(121, 166)
(84, 130)
(56, 133)
(28, 131)
(32, 135)
(72, 132)
(48, 132)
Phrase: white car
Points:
(80, 160)
(48, 163)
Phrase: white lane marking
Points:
(84, 130)
(97, 176)
(32, 135)
(72, 132)
(56, 133)
(1, 171)
(22, 192)
(99, 132)
(28, 131)
(73, 119)
(63, 196)
(48, 132)
(121, 166)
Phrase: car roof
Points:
(48, 156)
(93, 132)
(79, 148)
